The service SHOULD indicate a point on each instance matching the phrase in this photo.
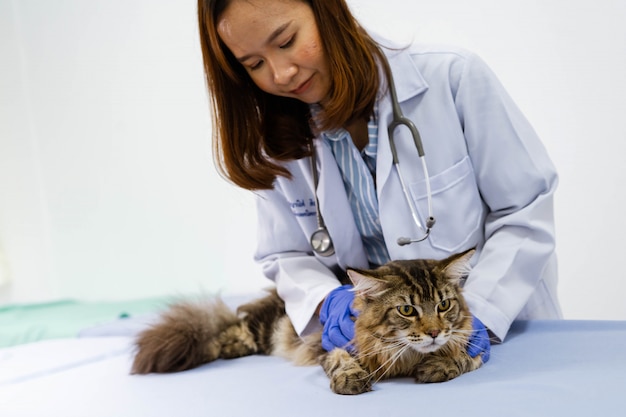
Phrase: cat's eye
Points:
(444, 305)
(407, 310)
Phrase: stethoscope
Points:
(321, 241)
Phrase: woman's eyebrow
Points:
(276, 33)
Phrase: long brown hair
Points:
(254, 132)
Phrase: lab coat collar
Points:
(407, 77)
(409, 83)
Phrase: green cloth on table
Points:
(31, 322)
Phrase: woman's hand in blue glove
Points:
(479, 340)
(337, 317)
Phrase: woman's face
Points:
(278, 43)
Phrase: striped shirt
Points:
(358, 170)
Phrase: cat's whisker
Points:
(378, 349)
(389, 343)
(373, 350)
(393, 359)
(461, 333)
(456, 342)
(385, 339)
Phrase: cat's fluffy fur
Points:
(413, 321)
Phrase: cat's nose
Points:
(434, 333)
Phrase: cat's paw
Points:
(347, 376)
(237, 341)
(351, 382)
(437, 369)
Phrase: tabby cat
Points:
(413, 321)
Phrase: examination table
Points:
(544, 368)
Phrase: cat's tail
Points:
(185, 336)
(189, 334)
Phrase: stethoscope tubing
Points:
(321, 241)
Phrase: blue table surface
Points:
(544, 368)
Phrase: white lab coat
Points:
(492, 184)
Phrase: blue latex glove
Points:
(479, 340)
(336, 317)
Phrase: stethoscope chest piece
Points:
(322, 243)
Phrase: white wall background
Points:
(107, 188)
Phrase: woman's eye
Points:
(256, 65)
(407, 310)
(444, 306)
(288, 43)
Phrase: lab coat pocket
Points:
(457, 206)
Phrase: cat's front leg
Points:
(346, 374)
(438, 368)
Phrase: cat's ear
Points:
(366, 285)
(457, 267)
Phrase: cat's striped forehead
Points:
(420, 277)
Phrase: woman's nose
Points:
(284, 73)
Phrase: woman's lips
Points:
(302, 87)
